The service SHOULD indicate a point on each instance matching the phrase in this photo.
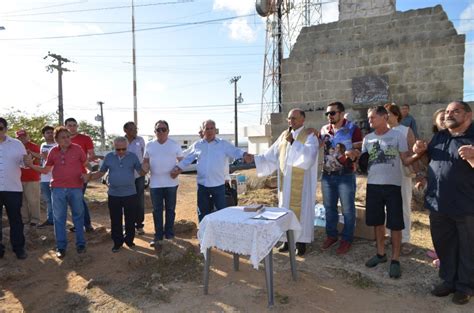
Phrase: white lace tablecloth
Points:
(233, 230)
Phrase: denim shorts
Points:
(381, 198)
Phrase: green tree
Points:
(32, 124)
(94, 132)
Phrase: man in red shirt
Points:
(67, 162)
(30, 209)
(87, 145)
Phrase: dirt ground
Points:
(170, 280)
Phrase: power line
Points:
(44, 7)
(129, 31)
(103, 9)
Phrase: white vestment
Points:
(303, 156)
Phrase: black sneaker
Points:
(45, 224)
(285, 248)
(21, 255)
(116, 248)
(60, 253)
(89, 229)
(301, 246)
(130, 244)
(376, 260)
(461, 297)
(81, 249)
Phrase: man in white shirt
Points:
(161, 156)
(48, 134)
(136, 145)
(12, 152)
(211, 154)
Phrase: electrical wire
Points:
(129, 31)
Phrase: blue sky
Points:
(183, 71)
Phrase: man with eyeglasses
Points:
(67, 163)
(87, 145)
(122, 194)
(294, 155)
(12, 152)
(136, 145)
(161, 156)
(450, 199)
(211, 154)
(342, 141)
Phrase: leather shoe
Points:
(116, 248)
(21, 255)
(60, 253)
(301, 247)
(130, 244)
(285, 248)
(81, 249)
(441, 290)
(461, 297)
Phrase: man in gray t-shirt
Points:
(385, 147)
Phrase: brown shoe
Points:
(330, 241)
(441, 290)
(344, 247)
(461, 297)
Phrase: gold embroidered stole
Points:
(297, 174)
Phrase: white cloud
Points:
(330, 12)
(238, 6)
(467, 17)
(239, 29)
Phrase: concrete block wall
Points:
(419, 50)
(350, 9)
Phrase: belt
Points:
(334, 173)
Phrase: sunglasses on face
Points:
(161, 129)
(332, 113)
(120, 149)
(2, 128)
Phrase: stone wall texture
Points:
(419, 50)
(350, 9)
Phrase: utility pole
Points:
(239, 99)
(135, 105)
(59, 67)
(102, 128)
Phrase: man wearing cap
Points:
(12, 152)
(30, 209)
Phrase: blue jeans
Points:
(46, 195)
(164, 197)
(61, 198)
(12, 201)
(335, 187)
(204, 203)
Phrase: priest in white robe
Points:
(294, 156)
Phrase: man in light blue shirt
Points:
(408, 120)
(211, 154)
(122, 194)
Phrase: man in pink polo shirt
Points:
(67, 162)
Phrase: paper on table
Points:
(269, 215)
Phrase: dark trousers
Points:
(140, 186)
(119, 207)
(12, 201)
(87, 216)
(164, 197)
(205, 205)
(453, 240)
